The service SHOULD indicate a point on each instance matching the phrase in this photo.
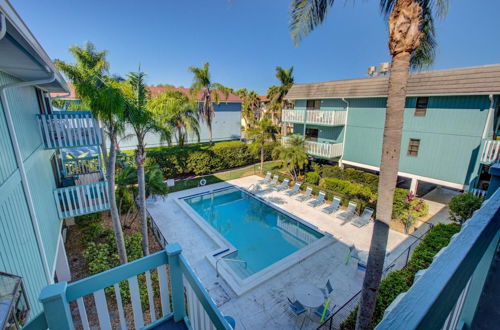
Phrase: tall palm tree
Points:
(411, 44)
(177, 111)
(250, 106)
(276, 94)
(262, 132)
(211, 93)
(102, 95)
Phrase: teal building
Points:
(39, 187)
(450, 124)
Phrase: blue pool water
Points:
(261, 234)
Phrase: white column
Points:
(414, 185)
(62, 266)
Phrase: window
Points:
(413, 147)
(421, 107)
(312, 134)
(43, 102)
(313, 104)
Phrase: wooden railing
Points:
(320, 149)
(82, 199)
(293, 116)
(331, 118)
(490, 151)
(447, 294)
(96, 292)
(84, 165)
(68, 129)
(319, 117)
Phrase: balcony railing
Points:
(318, 117)
(68, 129)
(178, 288)
(447, 294)
(320, 149)
(84, 165)
(82, 199)
(490, 151)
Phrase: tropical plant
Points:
(211, 93)
(103, 96)
(177, 111)
(250, 108)
(276, 94)
(411, 43)
(409, 209)
(463, 206)
(292, 156)
(263, 131)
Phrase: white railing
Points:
(333, 118)
(67, 129)
(490, 152)
(320, 149)
(477, 192)
(82, 199)
(295, 116)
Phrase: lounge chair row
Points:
(348, 215)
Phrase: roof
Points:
(72, 94)
(156, 90)
(22, 56)
(480, 80)
(263, 98)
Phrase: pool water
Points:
(261, 234)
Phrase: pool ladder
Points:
(228, 259)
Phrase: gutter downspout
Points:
(20, 165)
(489, 125)
(345, 130)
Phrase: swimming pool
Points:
(260, 234)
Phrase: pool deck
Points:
(266, 306)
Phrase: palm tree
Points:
(211, 93)
(102, 95)
(276, 94)
(263, 131)
(293, 156)
(250, 106)
(177, 111)
(411, 44)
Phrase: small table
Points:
(309, 295)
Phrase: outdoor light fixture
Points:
(14, 306)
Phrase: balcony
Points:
(182, 301)
(82, 188)
(319, 149)
(317, 117)
(69, 129)
(490, 151)
(460, 288)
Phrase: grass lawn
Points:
(222, 176)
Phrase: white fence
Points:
(82, 199)
(333, 118)
(295, 116)
(490, 152)
(320, 149)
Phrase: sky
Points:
(244, 40)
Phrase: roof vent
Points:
(372, 71)
(383, 68)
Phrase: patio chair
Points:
(283, 185)
(323, 312)
(266, 179)
(296, 307)
(274, 181)
(318, 201)
(305, 196)
(294, 190)
(327, 289)
(364, 219)
(332, 207)
(349, 213)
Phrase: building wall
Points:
(19, 253)
(450, 136)
(226, 126)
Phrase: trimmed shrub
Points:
(354, 190)
(312, 177)
(463, 206)
(350, 174)
(400, 281)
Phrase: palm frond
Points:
(305, 15)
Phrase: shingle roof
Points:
(65, 96)
(156, 90)
(481, 80)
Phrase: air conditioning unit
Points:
(383, 68)
(372, 70)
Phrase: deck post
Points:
(56, 306)
(176, 281)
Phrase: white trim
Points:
(411, 176)
(61, 264)
(345, 131)
(488, 124)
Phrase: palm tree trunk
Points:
(262, 158)
(389, 165)
(104, 149)
(140, 156)
(115, 216)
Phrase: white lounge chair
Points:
(332, 207)
(274, 181)
(266, 179)
(364, 219)
(318, 201)
(294, 190)
(283, 185)
(349, 213)
(305, 196)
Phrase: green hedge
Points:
(350, 174)
(400, 281)
(205, 158)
